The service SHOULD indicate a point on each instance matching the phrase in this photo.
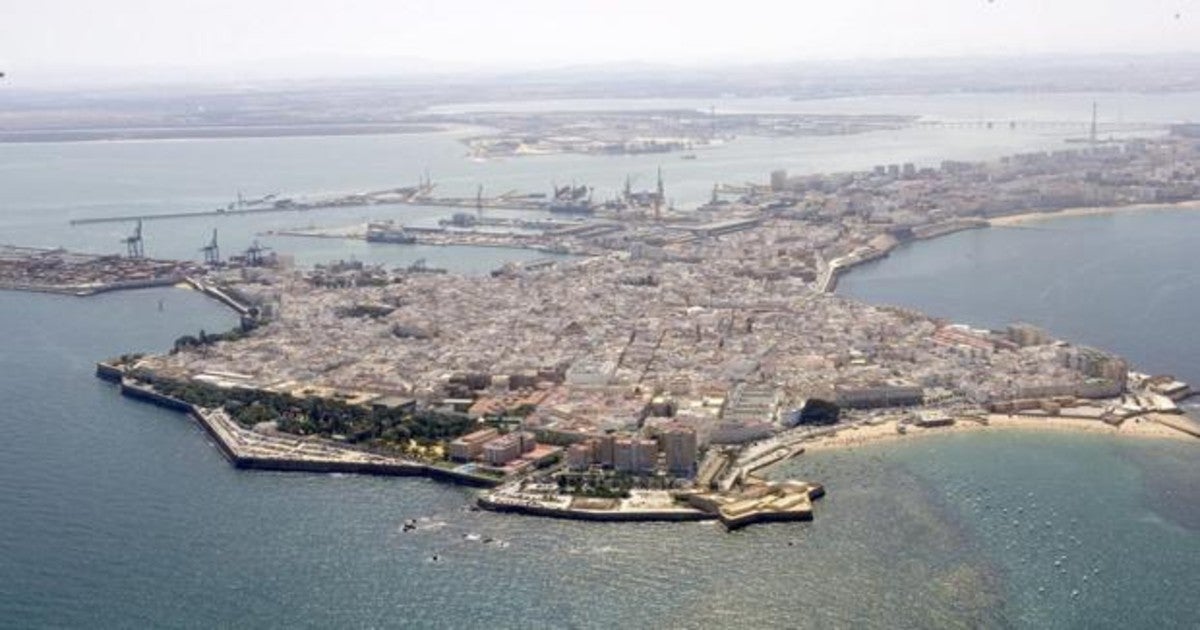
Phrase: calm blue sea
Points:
(1129, 283)
(116, 514)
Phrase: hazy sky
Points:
(276, 36)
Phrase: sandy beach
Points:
(1033, 217)
(1142, 427)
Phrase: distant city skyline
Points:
(126, 40)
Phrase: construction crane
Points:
(212, 252)
(134, 243)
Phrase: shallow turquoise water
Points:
(1077, 530)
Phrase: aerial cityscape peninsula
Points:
(600, 314)
(660, 371)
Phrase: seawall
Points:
(766, 517)
(84, 290)
(928, 233)
(285, 464)
(132, 390)
(610, 516)
(218, 295)
(109, 372)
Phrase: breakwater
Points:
(755, 502)
(89, 289)
(191, 214)
(611, 516)
(349, 201)
(109, 372)
(675, 515)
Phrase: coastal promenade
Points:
(828, 278)
(748, 502)
(245, 448)
(756, 502)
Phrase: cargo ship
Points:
(572, 200)
(388, 232)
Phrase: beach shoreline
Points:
(1143, 427)
(1089, 211)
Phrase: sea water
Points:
(115, 513)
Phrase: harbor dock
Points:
(71, 273)
(469, 238)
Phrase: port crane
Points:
(134, 243)
(658, 197)
(212, 251)
(254, 254)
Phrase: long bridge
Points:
(1035, 124)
